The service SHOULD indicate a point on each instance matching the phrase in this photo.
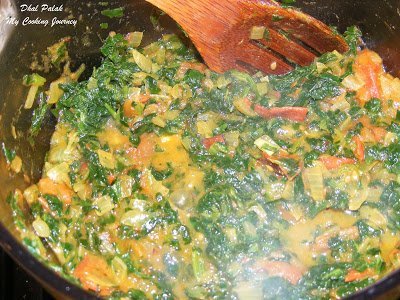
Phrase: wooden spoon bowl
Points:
(252, 35)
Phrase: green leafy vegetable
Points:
(33, 79)
(353, 38)
(9, 154)
(117, 12)
(54, 203)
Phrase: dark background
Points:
(16, 284)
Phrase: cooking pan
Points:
(21, 44)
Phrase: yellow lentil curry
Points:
(165, 180)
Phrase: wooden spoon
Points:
(221, 30)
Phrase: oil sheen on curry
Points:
(165, 180)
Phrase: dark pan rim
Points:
(59, 286)
(54, 283)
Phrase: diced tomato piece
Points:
(359, 152)
(44, 204)
(288, 271)
(129, 110)
(354, 275)
(84, 166)
(321, 243)
(93, 273)
(208, 142)
(333, 162)
(286, 214)
(144, 98)
(110, 179)
(371, 133)
(368, 66)
(61, 190)
(142, 155)
(379, 133)
(297, 114)
(185, 66)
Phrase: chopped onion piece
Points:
(103, 205)
(135, 38)
(314, 181)
(16, 164)
(41, 228)
(320, 67)
(138, 204)
(82, 189)
(267, 145)
(288, 193)
(158, 121)
(176, 91)
(134, 218)
(152, 186)
(262, 88)
(295, 210)
(249, 290)
(206, 128)
(106, 159)
(259, 210)
(373, 216)
(31, 194)
(232, 139)
(31, 96)
(161, 56)
(390, 138)
(126, 185)
(223, 81)
(171, 114)
(55, 92)
(119, 269)
(374, 194)
(360, 196)
(142, 61)
(181, 198)
(353, 82)
(198, 264)
(34, 81)
(58, 173)
(257, 32)
(276, 190)
(244, 106)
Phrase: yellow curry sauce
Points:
(165, 180)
